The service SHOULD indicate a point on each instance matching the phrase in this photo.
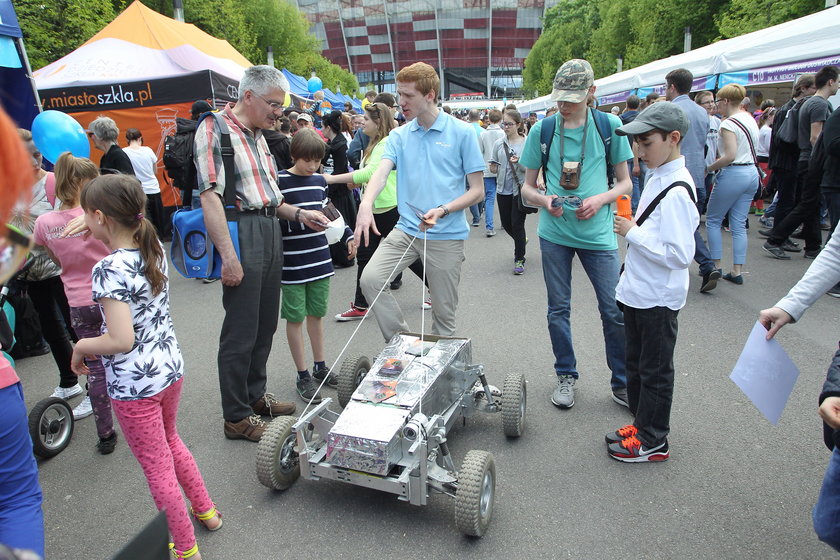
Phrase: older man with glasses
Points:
(250, 279)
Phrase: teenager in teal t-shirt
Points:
(581, 226)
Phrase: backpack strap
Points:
(49, 188)
(227, 157)
(746, 132)
(655, 202)
(602, 123)
(546, 136)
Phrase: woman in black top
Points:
(104, 132)
(339, 194)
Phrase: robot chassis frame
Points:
(421, 460)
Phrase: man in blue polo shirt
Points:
(433, 154)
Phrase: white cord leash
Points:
(370, 306)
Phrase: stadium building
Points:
(478, 46)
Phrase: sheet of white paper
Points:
(765, 373)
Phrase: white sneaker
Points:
(67, 392)
(427, 302)
(83, 409)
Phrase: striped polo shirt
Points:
(256, 175)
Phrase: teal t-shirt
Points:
(596, 233)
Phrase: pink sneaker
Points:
(352, 314)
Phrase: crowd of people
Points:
(403, 175)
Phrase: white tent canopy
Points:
(771, 55)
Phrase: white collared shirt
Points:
(660, 251)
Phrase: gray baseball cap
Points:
(572, 81)
(664, 115)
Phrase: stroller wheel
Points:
(50, 426)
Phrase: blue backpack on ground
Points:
(602, 123)
(193, 253)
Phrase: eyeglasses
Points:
(273, 104)
(709, 102)
(507, 124)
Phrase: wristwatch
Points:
(445, 210)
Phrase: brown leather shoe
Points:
(250, 428)
(267, 405)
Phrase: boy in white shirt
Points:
(654, 284)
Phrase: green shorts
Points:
(302, 300)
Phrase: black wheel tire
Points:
(514, 403)
(278, 464)
(475, 494)
(50, 426)
(353, 370)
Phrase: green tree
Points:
(561, 40)
(658, 27)
(54, 28)
(279, 25)
(224, 19)
(745, 16)
(283, 27)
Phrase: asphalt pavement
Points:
(735, 486)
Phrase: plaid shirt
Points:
(256, 175)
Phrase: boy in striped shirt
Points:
(307, 265)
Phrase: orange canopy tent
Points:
(143, 70)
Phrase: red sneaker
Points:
(631, 450)
(352, 314)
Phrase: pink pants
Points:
(148, 426)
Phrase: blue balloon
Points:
(314, 84)
(55, 132)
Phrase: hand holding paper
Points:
(765, 373)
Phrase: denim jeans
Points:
(826, 513)
(602, 267)
(489, 200)
(731, 196)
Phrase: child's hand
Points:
(622, 225)
(75, 226)
(351, 250)
(77, 362)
